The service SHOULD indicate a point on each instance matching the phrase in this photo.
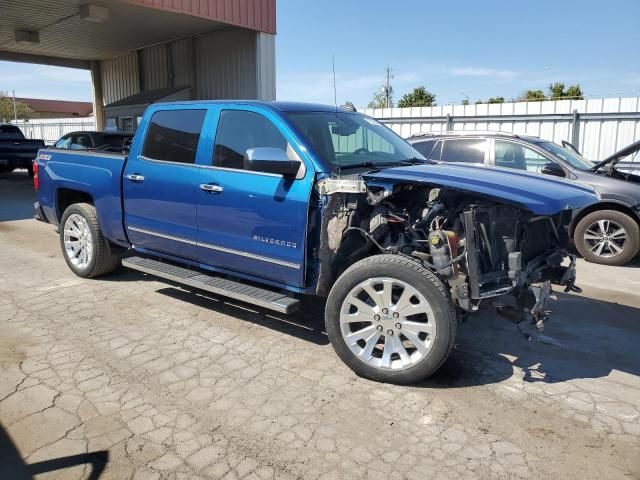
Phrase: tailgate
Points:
(20, 148)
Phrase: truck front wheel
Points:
(86, 251)
(390, 319)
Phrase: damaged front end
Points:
(482, 248)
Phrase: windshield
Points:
(9, 132)
(574, 159)
(351, 139)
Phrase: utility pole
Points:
(15, 110)
(387, 88)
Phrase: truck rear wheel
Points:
(390, 319)
(86, 251)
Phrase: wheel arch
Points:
(619, 207)
(68, 196)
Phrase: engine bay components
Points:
(481, 248)
(443, 246)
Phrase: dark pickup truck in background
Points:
(265, 202)
(16, 151)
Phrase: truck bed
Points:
(96, 174)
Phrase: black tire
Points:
(105, 259)
(426, 283)
(630, 247)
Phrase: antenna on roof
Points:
(335, 102)
(335, 94)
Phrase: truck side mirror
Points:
(552, 168)
(270, 160)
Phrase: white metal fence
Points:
(598, 127)
(51, 129)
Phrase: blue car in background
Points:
(266, 202)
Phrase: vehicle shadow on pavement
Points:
(307, 323)
(16, 196)
(590, 338)
(13, 467)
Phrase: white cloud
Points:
(482, 72)
(43, 81)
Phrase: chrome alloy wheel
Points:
(605, 238)
(387, 323)
(78, 243)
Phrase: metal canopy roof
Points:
(63, 34)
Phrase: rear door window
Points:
(464, 150)
(173, 135)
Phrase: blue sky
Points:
(454, 48)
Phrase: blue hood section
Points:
(541, 194)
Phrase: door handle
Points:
(135, 177)
(211, 188)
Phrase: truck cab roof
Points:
(278, 106)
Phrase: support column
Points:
(449, 123)
(575, 129)
(265, 66)
(98, 98)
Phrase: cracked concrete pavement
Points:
(178, 384)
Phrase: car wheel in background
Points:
(607, 237)
(390, 319)
(85, 249)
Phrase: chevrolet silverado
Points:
(265, 202)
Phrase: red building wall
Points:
(254, 14)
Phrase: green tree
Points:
(496, 100)
(556, 90)
(465, 101)
(420, 97)
(532, 96)
(574, 92)
(6, 109)
(382, 98)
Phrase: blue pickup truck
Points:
(266, 202)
